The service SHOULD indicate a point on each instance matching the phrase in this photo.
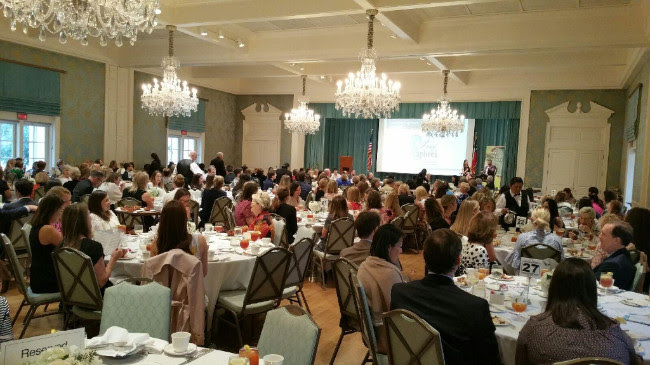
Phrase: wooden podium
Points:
(345, 163)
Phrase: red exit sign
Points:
(22, 116)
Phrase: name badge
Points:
(29, 349)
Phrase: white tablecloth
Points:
(214, 357)
(611, 306)
(231, 272)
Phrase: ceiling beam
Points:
(395, 5)
(454, 76)
(401, 28)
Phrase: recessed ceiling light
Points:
(204, 32)
(302, 69)
(322, 77)
(240, 43)
(393, 36)
(292, 64)
(157, 11)
(422, 58)
(428, 63)
(221, 36)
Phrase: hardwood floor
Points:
(323, 305)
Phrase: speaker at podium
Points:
(345, 163)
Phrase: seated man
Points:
(23, 189)
(613, 239)
(366, 225)
(463, 320)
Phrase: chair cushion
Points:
(43, 297)
(85, 313)
(234, 301)
(289, 292)
(321, 254)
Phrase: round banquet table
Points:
(231, 270)
(213, 357)
(609, 304)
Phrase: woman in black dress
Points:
(43, 240)
(77, 234)
(209, 196)
(138, 190)
(435, 214)
(282, 208)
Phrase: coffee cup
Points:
(211, 255)
(255, 249)
(146, 254)
(209, 227)
(273, 359)
(180, 341)
(266, 241)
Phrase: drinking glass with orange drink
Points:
(251, 354)
(483, 272)
(243, 243)
(244, 229)
(218, 228)
(607, 280)
(255, 235)
(520, 303)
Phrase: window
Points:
(32, 139)
(179, 146)
(629, 174)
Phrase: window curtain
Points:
(350, 137)
(194, 123)
(29, 90)
(632, 115)
(498, 132)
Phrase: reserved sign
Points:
(20, 351)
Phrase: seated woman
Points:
(338, 209)
(209, 196)
(102, 217)
(378, 273)
(391, 208)
(468, 209)
(156, 181)
(77, 234)
(184, 196)
(39, 180)
(112, 187)
(75, 174)
(405, 196)
(239, 186)
(138, 190)
(332, 190)
(65, 174)
(196, 187)
(43, 240)
(320, 190)
(435, 214)
(63, 194)
(555, 221)
(283, 209)
(353, 196)
(449, 205)
(587, 224)
(172, 233)
(243, 214)
(480, 234)
(540, 219)
(487, 204)
(294, 195)
(375, 184)
(572, 326)
(263, 222)
(373, 203)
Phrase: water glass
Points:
(137, 228)
(497, 271)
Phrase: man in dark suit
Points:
(463, 320)
(614, 237)
(219, 165)
(87, 186)
(284, 170)
(23, 189)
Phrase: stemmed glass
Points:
(607, 280)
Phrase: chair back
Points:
(169, 186)
(77, 280)
(411, 340)
(302, 251)
(26, 230)
(268, 278)
(589, 361)
(152, 318)
(17, 238)
(292, 332)
(541, 251)
(398, 222)
(411, 212)
(641, 270)
(280, 239)
(39, 193)
(10, 177)
(126, 218)
(219, 212)
(339, 236)
(365, 320)
(16, 268)
(128, 202)
(309, 199)
(194, 208)
(342, 268)
(84, 198)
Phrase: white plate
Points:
(510, 278)
(506, 322)
(110, 352)
(169, 350)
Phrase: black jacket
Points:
(288, 212)
(219, 166)
(620, 264)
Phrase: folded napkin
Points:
(118, 342)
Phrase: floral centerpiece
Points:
(545, 281)
(66, 356)
(155, 192)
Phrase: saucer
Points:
(169, 350)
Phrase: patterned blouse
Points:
(263, 224)
(474, 256)
(541, 341)
(531, 238)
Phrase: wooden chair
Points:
(78, 284)
(220, 212)
(410, 226)
(302, 254)
(29, 298)
(39, 193)
(541, 251)
(349, 321)
(263, 291)
(411, 340)
(126, 218)
(365, 321)
(339, 236)
(194, 208)
(589, 361)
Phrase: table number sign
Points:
(20, 351)
(533, 267)
(520, 221)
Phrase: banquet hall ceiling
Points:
(492, 47)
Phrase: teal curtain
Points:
(350, 137)
(194, 123)
(314, 143)
(498, 132)
(29, 89)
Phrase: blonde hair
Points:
(464, 187)
(392, 203)
(420, 193)
(262, 199)
(587, 210)
(540, 218)
(140, 180)
(59, 191)
(332, 187)
(353, 194)
(465, 215)
(41, 178)
(75, 173)
(403, 189)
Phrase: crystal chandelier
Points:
(365, 94)
(169, 98)
(302, 120)
(443, 121)
(80, 19)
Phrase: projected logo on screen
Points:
(423, 148)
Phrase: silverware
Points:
(197, 355)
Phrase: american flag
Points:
(369, 165)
